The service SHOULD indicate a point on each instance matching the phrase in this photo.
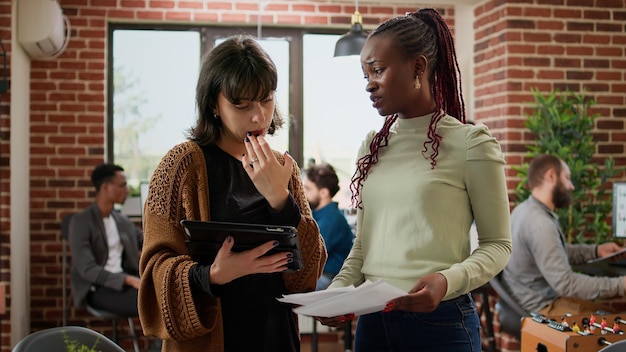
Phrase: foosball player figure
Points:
(586, 330)
(592, 319)
(592, 323)
(575, 327)
(564, 322)
(603, 325)
(616, 328)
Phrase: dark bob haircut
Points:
(241, 70)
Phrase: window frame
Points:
(208, 35)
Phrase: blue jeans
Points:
(453, 327)
(324, 281)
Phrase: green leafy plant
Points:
(563, 127)
(135, 190)
(75, 346)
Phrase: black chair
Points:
(510, 313)
(54, 339)
(65, 226)
(347, 337)
(485, 308)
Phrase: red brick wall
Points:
(550, 44)
(542, 43)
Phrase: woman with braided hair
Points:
(420, 183)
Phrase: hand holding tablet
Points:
(205, 238)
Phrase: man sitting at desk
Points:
(539, 273)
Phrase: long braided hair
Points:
(423, 32)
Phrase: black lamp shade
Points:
(352, 42)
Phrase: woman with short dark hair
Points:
(227, 172)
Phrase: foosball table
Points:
(573, 333)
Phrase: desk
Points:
(617, 303)
(600, 269)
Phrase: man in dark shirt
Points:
(320, 185)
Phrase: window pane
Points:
(155, 76)
(337, 110)
(278, 50)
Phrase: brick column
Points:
(549, 44)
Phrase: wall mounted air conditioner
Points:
(42, 29)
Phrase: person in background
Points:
(320, 185)
(539, 274)
(227, 172)
(420, 182)
(105, 247)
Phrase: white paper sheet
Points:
(369, 297)
(315, 296)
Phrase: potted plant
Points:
(563, 127)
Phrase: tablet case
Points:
(205, 238)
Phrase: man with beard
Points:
(539, 273)
(320, 186)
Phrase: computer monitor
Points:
(619, 209)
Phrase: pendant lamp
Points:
(352, 42)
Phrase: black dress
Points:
(253, 319)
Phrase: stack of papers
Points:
(367, 298)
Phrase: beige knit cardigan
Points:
(179, 190)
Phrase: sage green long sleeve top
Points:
(415, 220)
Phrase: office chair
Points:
(65, 226)
(53, 339)
(485, 308)
(510, 313)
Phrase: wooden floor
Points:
(327, 342)
(323, 347)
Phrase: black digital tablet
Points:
(205, 238)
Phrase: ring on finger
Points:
(252, 162)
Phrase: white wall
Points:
(19, 186)
(464, 44)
